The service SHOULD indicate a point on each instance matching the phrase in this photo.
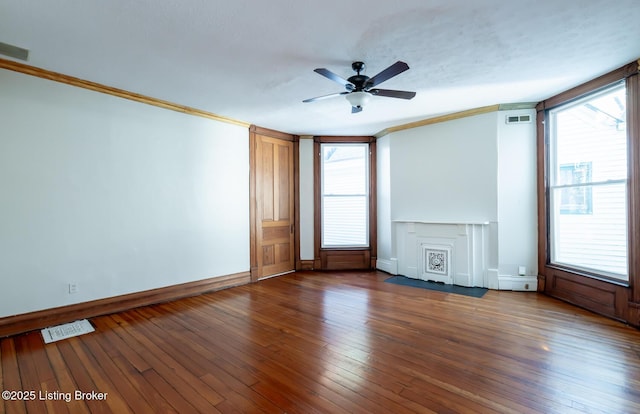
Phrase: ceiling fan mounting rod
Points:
(359, 81)
(358, 67)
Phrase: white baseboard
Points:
(389, 266)
(524, 283)
(493, 279)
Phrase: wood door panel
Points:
(275, 258)
(285, 186)
(266, 193)
(275, 206)
(268, 255)
(275, 233)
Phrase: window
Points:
(344, 195)
(588, 172)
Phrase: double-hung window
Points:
(588, 173)
(344, 195)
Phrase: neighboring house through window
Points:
(575, 196)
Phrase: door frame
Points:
(253, 216)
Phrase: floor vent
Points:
(67, 330)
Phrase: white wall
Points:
(306, 199)
(386, 250)
(470, 170)
(517, 197)
(445, 171)
(383, 194)
(113, 195)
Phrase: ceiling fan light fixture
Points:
(359, 88)
(358, 99)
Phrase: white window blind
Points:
(345, 195)
(588, 184)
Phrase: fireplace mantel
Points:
(450, 222)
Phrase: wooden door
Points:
(274, 203)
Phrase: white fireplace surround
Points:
(452, 253)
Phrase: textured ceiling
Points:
(253, 60)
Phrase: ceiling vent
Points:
(518, 119)
(14, 51)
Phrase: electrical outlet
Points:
(73, 288)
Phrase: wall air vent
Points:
(518, 119)
(14, 51)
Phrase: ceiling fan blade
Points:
(392, 93)
(336, 78)
(331, 95)
(356, 109)
(393, 70)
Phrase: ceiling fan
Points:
(359, 88)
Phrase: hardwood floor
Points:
(335, 342)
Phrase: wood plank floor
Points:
(333, 343)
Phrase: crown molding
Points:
(438, 119)
(120, 93)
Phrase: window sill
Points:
(347, 249)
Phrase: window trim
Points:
(613, 298)
(339, 258)
(554, 183)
